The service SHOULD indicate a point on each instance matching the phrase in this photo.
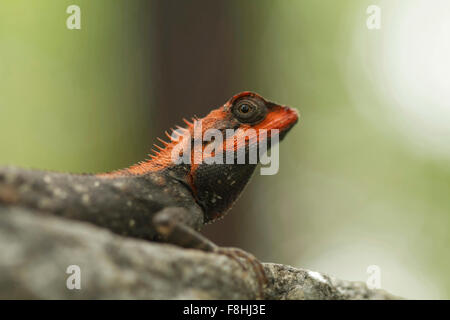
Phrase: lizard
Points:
(158, 199)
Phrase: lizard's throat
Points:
(218, 186)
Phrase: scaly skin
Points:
(157, 199)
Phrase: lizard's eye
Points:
(249, 111)
(244, 108)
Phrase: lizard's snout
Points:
(291, 116)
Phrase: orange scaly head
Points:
(217, 185)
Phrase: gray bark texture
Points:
(36, 251)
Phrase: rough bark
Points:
(36, 250)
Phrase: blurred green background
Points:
(364, 177)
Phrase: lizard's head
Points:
(249, 111)
(247, 121)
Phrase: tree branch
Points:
(37, 249)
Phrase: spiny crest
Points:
(161, 156)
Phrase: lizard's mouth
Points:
(290, 118)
